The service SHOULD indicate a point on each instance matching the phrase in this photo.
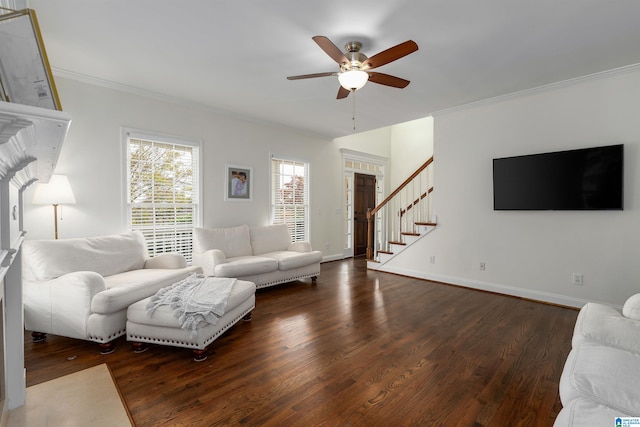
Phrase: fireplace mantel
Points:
(30, 143)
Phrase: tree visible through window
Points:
(290, 196)
(163, 192)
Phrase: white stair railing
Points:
(398, 214)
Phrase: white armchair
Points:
(81, 288)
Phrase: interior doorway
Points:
(364, 199)
(358, 163)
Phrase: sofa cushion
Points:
(270, 238)
(233, 241)
(126, 288)
(244, 266)
(606, 375)
(105, 255)
(288, 260)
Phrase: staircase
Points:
(402, 219)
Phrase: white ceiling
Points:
(235, 55)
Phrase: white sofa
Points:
(263, 255)
(81, 288)
(599, 382)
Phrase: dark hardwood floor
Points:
(359, 348)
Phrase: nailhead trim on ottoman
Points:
(163, 328)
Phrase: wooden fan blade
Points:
(343, 93)
(389, 55)
(387, 80)
(311, 76)
(331, 49)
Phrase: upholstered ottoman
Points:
(163, 327)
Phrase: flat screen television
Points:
(583, 179)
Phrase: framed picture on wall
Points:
(25, 75)
(238, 183)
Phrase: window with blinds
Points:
(290, 196)
(163, 195)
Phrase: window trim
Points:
(127, 133)
(272, 157)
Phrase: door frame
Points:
(357, 162)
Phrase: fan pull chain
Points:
(353, 117)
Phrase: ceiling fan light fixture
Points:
(353, 79)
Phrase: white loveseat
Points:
(81, 288)
(600, 379)
(263, 255)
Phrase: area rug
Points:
(86, 398)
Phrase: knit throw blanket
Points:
(195, 300)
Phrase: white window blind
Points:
(163, 180)
(290, 196)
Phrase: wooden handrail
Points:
(397, 190)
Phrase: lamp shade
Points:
(353, 79)
(57, 191)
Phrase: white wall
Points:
(93, 160)
(533, 254)
(406, 146)
(411, 146)
(375, 142)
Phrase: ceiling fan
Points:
(355, 66)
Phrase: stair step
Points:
(398, 243)
(410, 238)
(407, 233)
(428, 224)
(383, 257)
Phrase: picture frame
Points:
(238, 183)
(25, 74)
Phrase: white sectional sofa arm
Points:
(79, 281)
(208, 260)
(170, 260)
(63, 305)
(605, 324)
(300, 247)
(600, 377)
(631, 307)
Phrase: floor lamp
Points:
(56, 192)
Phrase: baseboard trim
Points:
(334, 257)
(531, 294)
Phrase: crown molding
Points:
(539, 89)
(84, 78)
(96, 81)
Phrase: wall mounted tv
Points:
(584, 179)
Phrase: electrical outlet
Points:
(483, 266)
(577, 279)
(326, 245)
(432, 259)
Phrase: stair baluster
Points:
(406, 206)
